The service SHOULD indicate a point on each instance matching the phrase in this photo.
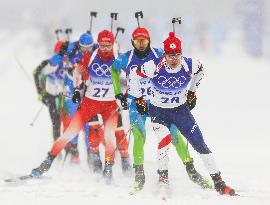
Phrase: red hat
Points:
(57, 46)
(140, 33)
(105, 36)
(172, 44)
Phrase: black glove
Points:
(63, 49)
(123, 100)
(141, 106)
(44, 98)
(191, 100)
(76, 98)
(43, 63)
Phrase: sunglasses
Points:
(141, 41)
(108, 46)
(173, 56)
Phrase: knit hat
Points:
(105, 36)
(140, 33)
(172, 44)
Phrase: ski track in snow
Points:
(232, 111)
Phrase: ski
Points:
(134, 191)
(163, 192)
(18, 179)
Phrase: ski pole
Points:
(113, 17)
(22, 68)
(176, 20)
(36, 116)
(129, 131)
(93, 14)
(122, 30)
(138, 14)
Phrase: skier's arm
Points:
(37, 76)
(146, 70)
(134, 83)
(197, 75)
(53, 64)
(116, 81)
(80, 69)
(119, 64)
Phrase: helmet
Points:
(86, 40)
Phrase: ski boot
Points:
(139, 177)
(94, 162)
(126, 167)
(163, 184)
(163, 177)
(220, 185)
(43, 167)
(107, 172)
(196, 177)
(73, 149)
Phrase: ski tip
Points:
(135, 191)
(18, 179)
(164, 199)
(8, 180)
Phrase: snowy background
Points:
(231, 37)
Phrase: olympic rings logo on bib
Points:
(171, 81)
(101, 70)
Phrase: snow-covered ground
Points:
(232, 111)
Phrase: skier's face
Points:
(105, 47)
(141, 43)
(173, 60)
(84, 49)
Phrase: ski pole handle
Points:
(138, 14)
(119, 29)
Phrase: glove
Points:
(43, 98)
(63, 49)
(44, 63)
(191, 100)
(123, 100)
(141, 106)
(76, 98)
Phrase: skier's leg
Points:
(73, 145)
(179, 144)
(109, 138)
(85, 111)
(54, 115)
(183, 153)
(95, 135)
(122, 144)
(109, 132)
(186, 123)
(164, 140)
(139, 134)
